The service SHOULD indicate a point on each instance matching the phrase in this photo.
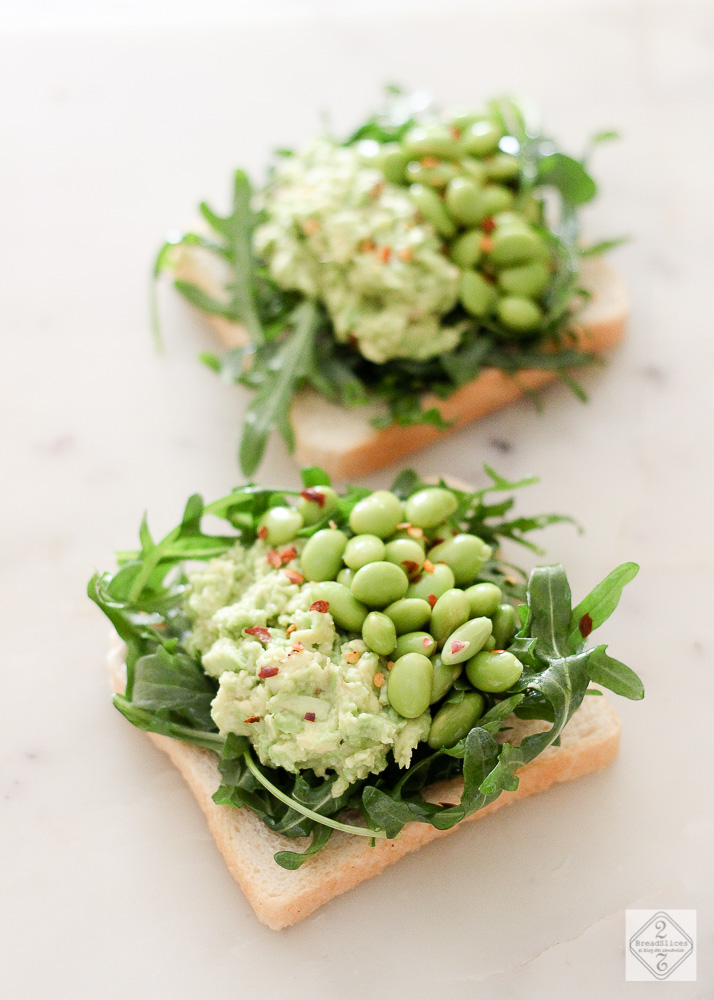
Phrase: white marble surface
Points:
(111, 885)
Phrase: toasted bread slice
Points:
(281, 898)
(343, 442)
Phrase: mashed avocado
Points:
(310, 693)
(338, 232)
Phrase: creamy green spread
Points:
(298, 688)
(338, 232)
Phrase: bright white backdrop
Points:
(111, 135)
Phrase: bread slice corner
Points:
(281, 898)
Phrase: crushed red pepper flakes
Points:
(253, 718)
(309, 716)
(498, 650)
(293, 576)
(486, 244)
(259, 631)
(428, 566)
(437, 541)
(377, 190)
(410, 567)
(262, 533)
(427, 642)
(333, 525)
(287, 555)
(353, 656)
(403, 525)
(432, 599)
(290, 629)
(297, 647)
(384, 254)
(429, 161)
(390, 664)
(488, 225)
(379, 680)
(457, 646)
(367, 246)
(310, 227)
(585, 625)
(456, 131)
(274, 559)
(407, 255)
(322, 606)
(267, 672)
(415, 532)
(313, 496)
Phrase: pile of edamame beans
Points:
(463, 175)
(406, 581)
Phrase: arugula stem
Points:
(360, 831)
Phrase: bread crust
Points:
(342, 441)
(281, 898)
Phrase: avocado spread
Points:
(299, 688)
(337, 231)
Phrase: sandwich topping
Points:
(339, 653)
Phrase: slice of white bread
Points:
(281, 898)
(342, 441)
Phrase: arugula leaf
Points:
(614, 675)
(597, 607)
(174, 686)
(314, 476)
(292, 860)
(569, 176)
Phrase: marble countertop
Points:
(111, 884)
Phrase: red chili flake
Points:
(262, 533)
(432, 599)
(384, 254)
(427, 642)
(260, 632)
(457, 646)
(322, 606)
(267, 672)
(410, 568)
(486, 244)
(415, 532)
(437, 541)
(585, 625)
(379, 680)
(290, 629)
(332, 525)
(367, 246)
(352, 656)
(403, 525)
(390, 664)
(429, 161)
(488, 225)
(428, 566)
(287, 555)
(297, 647)
(376, 191)
(456, 131)
(253, 718)
(498, 650)
(274, 559)
(309, 716)
(407, 255)
(310, 227)
(293, 576)
(314, 496)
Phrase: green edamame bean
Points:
(404, 533)
(519, 314)
(281, 525)
(490, 643)
(415, 642)
(505, 625)
(378, 514)
(379, 583)
(450, 611)
(363, 549)
(462, 117)
(494, 198)
(452, 722)
(465, 251)
(465, 554)
(462, 201)
(525, 279)
(481, 138)
(502, 166)
(316, 502)
(409, 685)
(394, 162)
(484, 599)
(445, 676)
(494, 671)
(406, 553)
(467, 640)
(347, 612)
(476, 294)
(428, 507)
(346, 576)
(473, 169)
(432, 584)
(321, 558)
(431, 208)
(514, 243)
(436, 176)
(435, 140)
(379, 633)
(409, 614)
